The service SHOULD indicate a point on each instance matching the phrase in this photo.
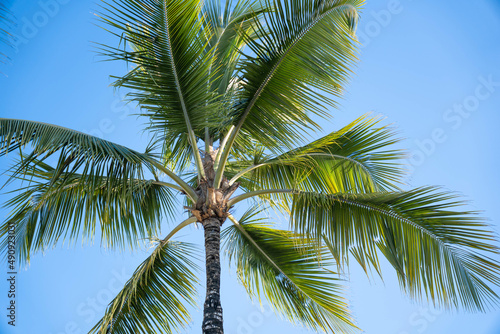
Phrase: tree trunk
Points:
(212, 313)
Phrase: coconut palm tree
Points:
(230, 93)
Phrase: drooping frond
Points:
(357, 158)
(286, 270)
(439, 252)
(77, 148)
(92, 157)
(55, 206)
(157, 297)
(303, 48)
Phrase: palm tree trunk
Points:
(212, 313)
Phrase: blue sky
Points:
(432, 68)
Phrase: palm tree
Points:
(233, 90)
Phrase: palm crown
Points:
(247, 79)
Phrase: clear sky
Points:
(431, 67)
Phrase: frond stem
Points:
(220, 171)
(250, 194)
(245, 233)
(170, 185)
(185, 187)
(208, 141)
(246, 170)
(176, 229)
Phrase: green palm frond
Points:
(92, 157)
(358, 158)
(229, 23)
(440, 253)
(297, 61)
(96, 156)
(277, 93)
(285, 268)
(157, 297)
(166, 42)
(232, 24)
(55, 206)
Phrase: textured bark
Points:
(211, 210)
(212, 313)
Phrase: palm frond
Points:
(286, 270)
(56, 206)
(440, 253)
(298, 59)
(157, 297)
(357, 158)
(166, 42)
(229, 23)
(92, 157)
(303, 48)
(97, 156)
